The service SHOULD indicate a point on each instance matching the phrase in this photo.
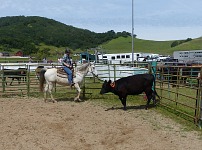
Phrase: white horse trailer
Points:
(194, 56)
(120, 58)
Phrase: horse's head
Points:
(91, 67)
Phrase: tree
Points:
(29, 49)
(175, 43)
(6, 48)
(43, 53)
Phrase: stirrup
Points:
(72, 84)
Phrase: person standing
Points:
(68, 67)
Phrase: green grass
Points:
(195, 44)
(121, 45)
(12, 60)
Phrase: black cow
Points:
(131, 85)
(15, 74)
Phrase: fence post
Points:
(28, 80)
(3, 80)
(114, 72)
(177, 86)
(84, 88)
(152, 70)
(199, 107)
(109, 71)
(149, 68)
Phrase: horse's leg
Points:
(45, 92)
(50, 87)
(12, 81)
(76, 85)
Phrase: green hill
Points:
(195, 44)
(122, 44)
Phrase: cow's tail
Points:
(41, 79)
(156, 94)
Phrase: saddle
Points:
(61, 73)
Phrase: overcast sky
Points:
(153, 19)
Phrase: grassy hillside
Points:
(122, 44)
(195, 44)
(25, 33)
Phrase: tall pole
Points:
(132, 35)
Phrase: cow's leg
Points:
(154, 97)
(123, 101)
(149, 97)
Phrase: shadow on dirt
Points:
(131, 107)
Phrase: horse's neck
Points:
(84, 72)
(81, 73)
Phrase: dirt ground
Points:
(31, 124)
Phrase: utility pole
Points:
(132, 36)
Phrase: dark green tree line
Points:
(26, 33)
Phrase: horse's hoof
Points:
(79, 100)
(54, 101)
(76, 100)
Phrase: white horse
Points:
(52, 76)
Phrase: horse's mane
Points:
(83, 67)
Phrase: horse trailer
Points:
(189, 56)
(121, 58)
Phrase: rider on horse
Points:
(68, 66)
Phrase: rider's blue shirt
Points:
(66, 59)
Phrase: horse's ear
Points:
(92, 63)
(109, 81)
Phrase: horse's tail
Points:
(41, 79)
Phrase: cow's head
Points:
(106, 87)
